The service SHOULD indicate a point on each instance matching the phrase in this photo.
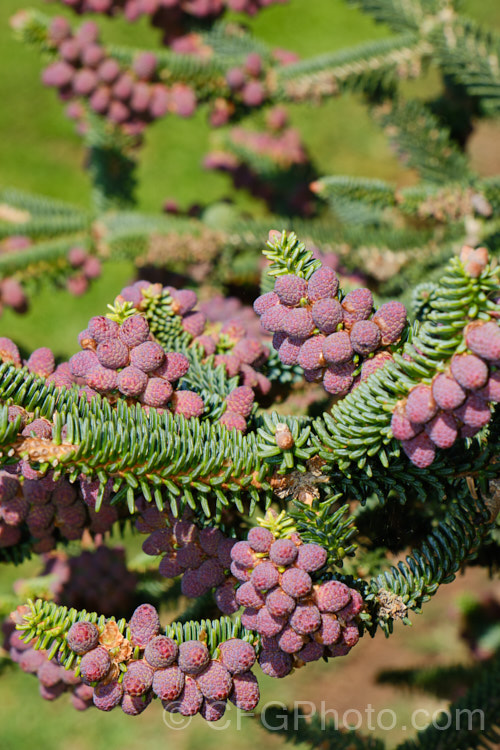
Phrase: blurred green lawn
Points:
(39, 151)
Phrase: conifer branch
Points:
(466, 724)
(293, 725)
(474, 718)
(357, 430)
(37, 205)
(424, 142)
(403, 16)
(370, 68)
(411, 583)
(49, 624)
(471, 55)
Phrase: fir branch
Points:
(382, 252)
(401, 15)
(45, 226)
(293, 726)
(49, 624)
(452, 202)
(369, 68)
(318, 522)
(37, 205)
(288, 255)
(41, 262)
(212, 383)
(471, 56)
(474, 721)
(420, 298)
(18, 553)
(356, 189)
(134, 224)
(358, 428)
(474, 718)
(356, 200)
(298, 451)
(414, 581)
(31, 27)
(206, 75)
(196, 462)
(232, 43)
(423, 142)
(113, 177)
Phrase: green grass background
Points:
(39, 151)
